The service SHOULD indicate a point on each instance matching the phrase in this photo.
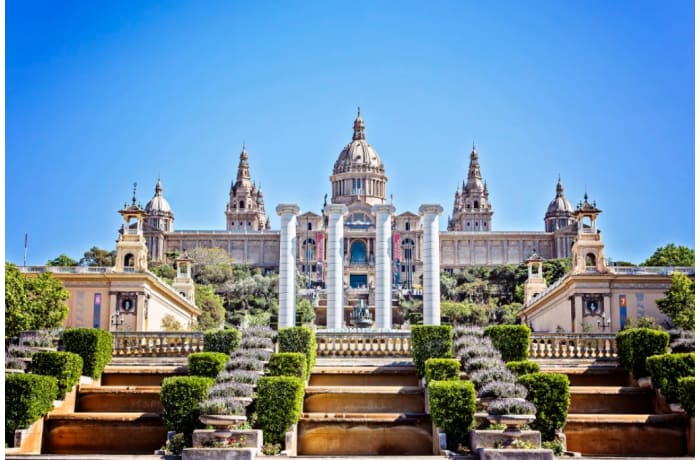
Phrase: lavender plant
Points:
(475, 364)
(245, 363)
(511, 406)
(494, 374)
(259, 331)
(231, 390)
(222, 406)
(261, 354)
(256, 342)
(502, 390)
(238, 375)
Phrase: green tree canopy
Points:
(679, 302)
(212, 307)
(33, 302)
(671, 255)
(97, 257)
(62, 261)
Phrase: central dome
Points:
(358, 155)
(158, 203)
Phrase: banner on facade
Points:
(319, 246)
(397, 247)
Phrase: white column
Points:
(382, 267)
(431, 263)
(287, 277)
(334, 280)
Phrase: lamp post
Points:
(603, 322)
(117, 319)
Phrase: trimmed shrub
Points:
(287, 364)
(452, 408)
(63, 365)
(206, 364)
(634, 346)
(181, 397)
(550, 395)
(686, 394)
(299, 339)
(502, 390)
(511, 406)
(666, 370)
(492, 374)
(441, 369)
(512, 341)
(93, 345)
(27, 397)
(430, 342)
(278, 405)
(523, 367)
(222, 340)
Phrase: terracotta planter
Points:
(221, 423)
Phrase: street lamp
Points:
(603, 322)
(117, 319)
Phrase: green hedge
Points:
(93, 345)
(441, 369)
(634, 346)
(206, 364)
(63, 365)
(181, 397)
(299, 339)
(666, 370)
(550, 395)
(222, 340)
(430, 342)
(686, 394)
(512, 341)
(287, 364)
(452, 408)
(278, 405)
(523, 367)
(27, 397)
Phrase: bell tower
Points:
(587, 251)
(535, 283)
(131, 245)
(183, 282)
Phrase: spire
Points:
(243, 171)
(474, 169)
(159, 187)
(133, 197)
(358, 127)
(560, 188)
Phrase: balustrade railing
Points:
(370, 343)
(572, 346)
(156, 344)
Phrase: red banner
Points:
(397, 246)
(320, 238)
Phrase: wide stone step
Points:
(140, 375)
(119, 399)
(589, 375)
(333, 434)
(103, 433)
(367, 399)
(609, 399)
(627, 434)
(364, 376)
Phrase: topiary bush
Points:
(287, 364)
(181, 397)
(686, 394)
(452, 408)
(93, 345)
(523, 367)
(62, 365)
(430, 342)
(27, 397)
(666, 370)
(634, 346)
(299, 339)
(550, 395)
(222, 340)
(278, 405)
(441, 369)
(206, 364)
(512, 341)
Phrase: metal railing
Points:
(171, 344)
(572, 346)
(372, 343)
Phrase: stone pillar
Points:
(431, 263)
(382, 267)
(288, 269)
(334, 278)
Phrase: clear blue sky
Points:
(103, 94)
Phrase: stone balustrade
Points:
(572, 346)
(156, 344)
(374, 343)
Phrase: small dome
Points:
(559, 204)
(158, 203)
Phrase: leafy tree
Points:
(679, 302)
(304, 311)
(97, 257)
(212, 307)
(36, 302)
(170, 324)
(671, 255)
(164, 271)
(62, 261)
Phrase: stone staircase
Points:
(120, 415)
(609, 416)
(364, 408)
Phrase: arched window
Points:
(241, 204)
(129, 260)
(590, 260)
(308, 226)
(358, 253)
(476, 204)
(408, 226)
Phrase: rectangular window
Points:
(96, 311)
(623, 309)
(641, 311)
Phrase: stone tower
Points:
(587, 252)
(158, 221)
(535, 283)
(245, 211)
(472, 210)
(131, 245)
(183, 282)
